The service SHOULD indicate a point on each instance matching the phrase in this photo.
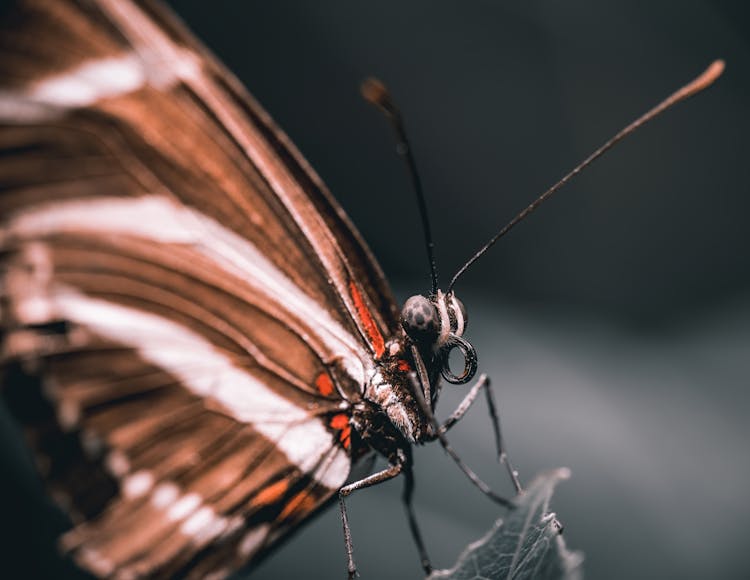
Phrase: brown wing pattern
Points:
(183, 283)
(182, 105)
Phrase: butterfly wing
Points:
(194, 300)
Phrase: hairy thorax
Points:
(388, 393)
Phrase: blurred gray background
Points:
(615, 322)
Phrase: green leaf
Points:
(527, 545)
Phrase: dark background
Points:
(501, 98)
(615, 322)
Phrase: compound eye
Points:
(420, 319)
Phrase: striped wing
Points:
(192, 298)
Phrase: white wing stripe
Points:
(97, 79)
(161, 219)
(90, 82)
(82, 86)
(304, 440)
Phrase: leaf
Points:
(526, 546)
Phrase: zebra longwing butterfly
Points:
(214, 343)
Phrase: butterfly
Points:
(195, 338)
(216, 343)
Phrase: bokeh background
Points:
(615, 322)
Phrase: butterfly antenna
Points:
(376, 93)
(700, 83)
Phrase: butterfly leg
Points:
(439, 434)
(374, 479)
(465, 404)
(415, 533)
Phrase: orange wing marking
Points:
(376, 339)
(271, 494)
(324, 384)
(340, 422)
(301, 504)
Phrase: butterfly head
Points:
(436, 325)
